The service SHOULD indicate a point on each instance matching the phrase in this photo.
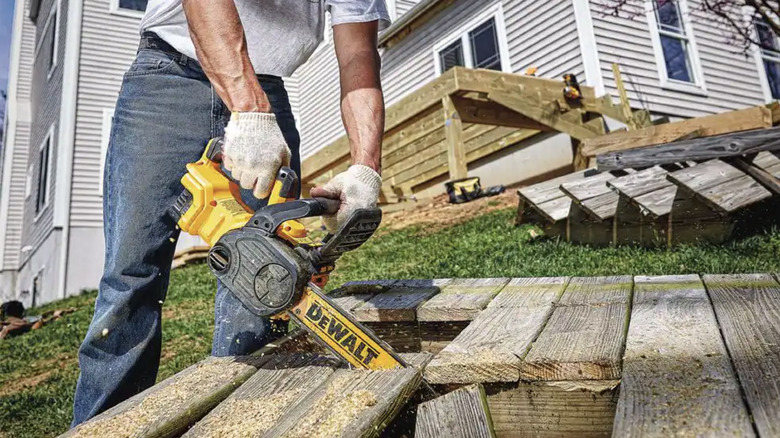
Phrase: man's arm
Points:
(220, 43)
(362, 103)
(363, 114)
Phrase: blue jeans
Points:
(166, 113)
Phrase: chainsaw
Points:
(268, 261)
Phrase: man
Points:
(203, 64)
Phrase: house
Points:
(68, 57)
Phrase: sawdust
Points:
(163, 403)
(257, 416)
(335, 410)
(438, 213)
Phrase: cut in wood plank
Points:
(747, 307)
(584, 338)
(354, 294)
(708, 126)
(699, 149)
(603, 206)
(461, 299)
(573, 409)
(677, 376)
(658, 203)
(705, 175)
(168, 408)
(549, 190)
(492, 347)
(587, 188)
(279, 385)
(462, 413)
(556, 209)
(642, 182)
(417, 360)
(351, 403)
(400, 302)
(530, 292)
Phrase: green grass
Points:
(487, 246)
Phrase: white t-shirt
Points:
(280, 34)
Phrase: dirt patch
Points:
(438, 213)
(18, 385)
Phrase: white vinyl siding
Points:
(108, 118)
(732, 78)
(108, 46)
(403, 6)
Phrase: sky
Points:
(6, 23)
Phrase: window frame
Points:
(698, 86)
(105, 136)
(760, 56)
(54, 15)
(114, 9)
(462, 33)
(47, 190)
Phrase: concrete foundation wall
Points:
(7, 286)
(43, 262)
(85, 259)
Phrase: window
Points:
(43, 171)
(48, 45)
(480, 44)
(131, 8)
(108, 119)
(674, 44)
(770, 57)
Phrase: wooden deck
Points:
(577, 357)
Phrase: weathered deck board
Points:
(550, 190)
(658, 203)
(602, 207)
(273, 390)
(350, 403)
(735, 194)
(705, 175)
(747, 307)
(461, 299)
(492, 347)
(462, 413)
(353, 294)
(677, 376)
(400, 302)
(639, 183)
(555, 210)
(588, 187)
(584, 338)
(167, 409)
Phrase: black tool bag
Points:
(464, 190)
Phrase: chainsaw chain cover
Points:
(263, 272)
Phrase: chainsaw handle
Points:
(269, 218)
(328, 206)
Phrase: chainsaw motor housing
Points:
(265, 273)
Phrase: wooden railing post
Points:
(453, 128)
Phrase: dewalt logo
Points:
(341, 334)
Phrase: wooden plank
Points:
(399, 303)
(354, 294)
(640, 183)
(699, 149)
(555, 210)
(550, 189)
(461, 299)
(492, 347)
(366, 401)
(677, 376)
(765, 160)
(529, 292)
(546, 114)
(603, 206)
(583, 228)
(705, 175)
(276, 388)
(568, 409)
(490, 113)
(658, 203)
(735, 194)
(584, 337)
(168, 408)
(708, 126)
(766, 179)
(747, 306)
(462, 413)
(587, 188)
(453, 128)
(625, 105)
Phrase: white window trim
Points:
(759, 57)
(49, 137)
(699, 86)
(55, 8)
(29, 181)
(114, 9)
(496, 12)
(108, 114)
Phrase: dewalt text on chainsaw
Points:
(266, 259)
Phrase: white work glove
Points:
(357, 187)
(254, 150)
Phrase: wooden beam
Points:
(677, 375)
(729, 122)
(461, 299)
(625, 105)
(462, 413)
(763, 177)
(453, 128)
(700, 149)
(747, 307)
(490, 113)
(545, 114)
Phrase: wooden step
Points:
(462, 413)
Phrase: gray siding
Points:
(46, 97)
(403, 6)
(319, 90)
(731, 77)
(18, 178)
(543, 35)
(108, 45)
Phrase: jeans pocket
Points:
(151, 62)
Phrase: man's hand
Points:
(363, 114)
(357, 187)
(254, 151)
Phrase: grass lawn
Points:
(38, 370)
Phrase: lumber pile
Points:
(697, 190)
